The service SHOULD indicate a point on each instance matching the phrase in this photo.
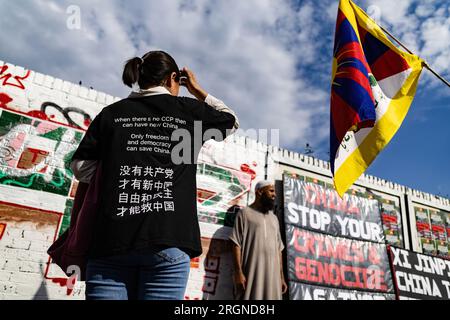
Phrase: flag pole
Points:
(425, 64)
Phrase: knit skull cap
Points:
(262, 184)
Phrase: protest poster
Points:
(335, 243)
(420, 276)
(320, 259)
(301, 291)
(315, 207)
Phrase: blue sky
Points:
(270, 60)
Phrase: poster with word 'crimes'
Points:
(337, 263)
(335, 247)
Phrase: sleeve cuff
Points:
(214, 102)
(83, 170)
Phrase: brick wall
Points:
(42, 120)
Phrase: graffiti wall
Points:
(42, 121)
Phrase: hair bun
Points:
(158, 66)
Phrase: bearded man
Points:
(257, 249)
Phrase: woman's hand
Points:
(190, 82)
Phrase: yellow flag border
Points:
(357, 163)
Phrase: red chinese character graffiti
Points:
(18, 79)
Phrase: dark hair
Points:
(150, 70)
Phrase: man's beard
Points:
(268, 203)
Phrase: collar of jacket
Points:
(148, 92)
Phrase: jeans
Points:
(156, 274)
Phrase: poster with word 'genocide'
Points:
(335, 247)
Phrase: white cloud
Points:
(425, 9)
(424, 27)
(244, 52)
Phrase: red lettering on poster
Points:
(318, 196)
(388, 218)
(321, 246)
(423, 226)
(339, 275)
(438, 229)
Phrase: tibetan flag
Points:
(373, 85)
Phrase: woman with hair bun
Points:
(146, 228)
